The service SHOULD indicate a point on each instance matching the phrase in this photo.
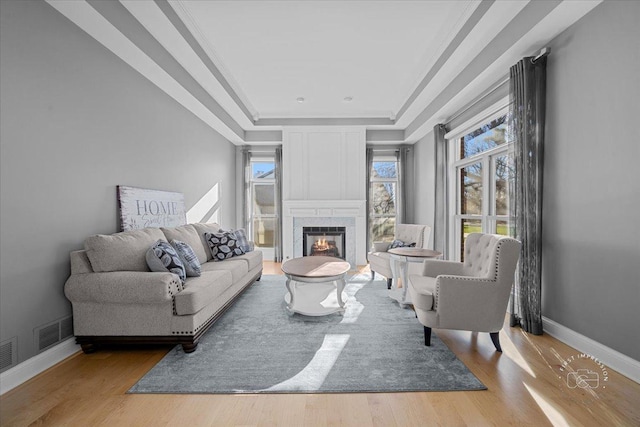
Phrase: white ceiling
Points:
(241, 65)
(276, 51)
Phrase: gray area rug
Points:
(257, 347)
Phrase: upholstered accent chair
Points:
(379, 258)
(472, 295)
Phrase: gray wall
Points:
(75, 122)
(591, 248)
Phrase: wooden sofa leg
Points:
(259, 277)
(189, 347)
(88, 348)
(427, 336)
(495, 337)
(389, 283)
(373, 275)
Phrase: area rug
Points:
(258, 347)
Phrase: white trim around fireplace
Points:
(353, 213)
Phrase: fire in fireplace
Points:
(327, 241)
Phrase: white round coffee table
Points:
(315, 285)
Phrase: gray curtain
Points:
(402, 203)
(277, 250)
(440, 239)
(369, 158)
(246, 192)
(526, 131)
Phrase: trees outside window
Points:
(480, 175)
(263, 204)
(383, 195)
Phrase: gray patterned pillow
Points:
(401, 244)
(243, 242)
(188, 258)
(223, 245)
(163, 257)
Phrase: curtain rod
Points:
(543, 52)
(497, 86)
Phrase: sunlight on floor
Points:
(554, 416)
(511, 351)
(353, 307)
(313, 375)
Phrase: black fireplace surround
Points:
(326, 241)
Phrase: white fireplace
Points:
(323, 185)
(349, 214)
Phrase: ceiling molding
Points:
(161, 40)
(327, 121)
(197, 34)
(458, 38)
(525, 35)
(97, 26)
(199, 51)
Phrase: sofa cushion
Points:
(125, 251)
(422, 289)
(237, 267)
(189, 235)
(253, 259)
(201, 291)
(223, 245)
(163, 257)
(188, 258)
(203, 228)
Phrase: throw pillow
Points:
(162, 257)
(401, 244)
(242, 240)
(188, 258)
(223, 245)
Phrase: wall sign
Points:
(141, 208)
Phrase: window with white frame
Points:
(383, 195)
(262, 206)
(479, 179)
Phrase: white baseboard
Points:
(37, 364)
(615, 360)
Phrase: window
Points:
(480, 172)
(262, 213)
(383, 195)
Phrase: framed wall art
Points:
(142, 208)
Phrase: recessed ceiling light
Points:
(348, 98)
(300, 100)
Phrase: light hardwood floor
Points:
(526, 386)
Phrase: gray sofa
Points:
(117, 299)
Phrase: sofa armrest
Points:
(437, 267)
(471, 303)
(123, 287)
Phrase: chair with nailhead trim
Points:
(472, 295)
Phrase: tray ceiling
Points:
(248, 68)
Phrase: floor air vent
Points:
(52, 333)
(66, 327)
(8, 353)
